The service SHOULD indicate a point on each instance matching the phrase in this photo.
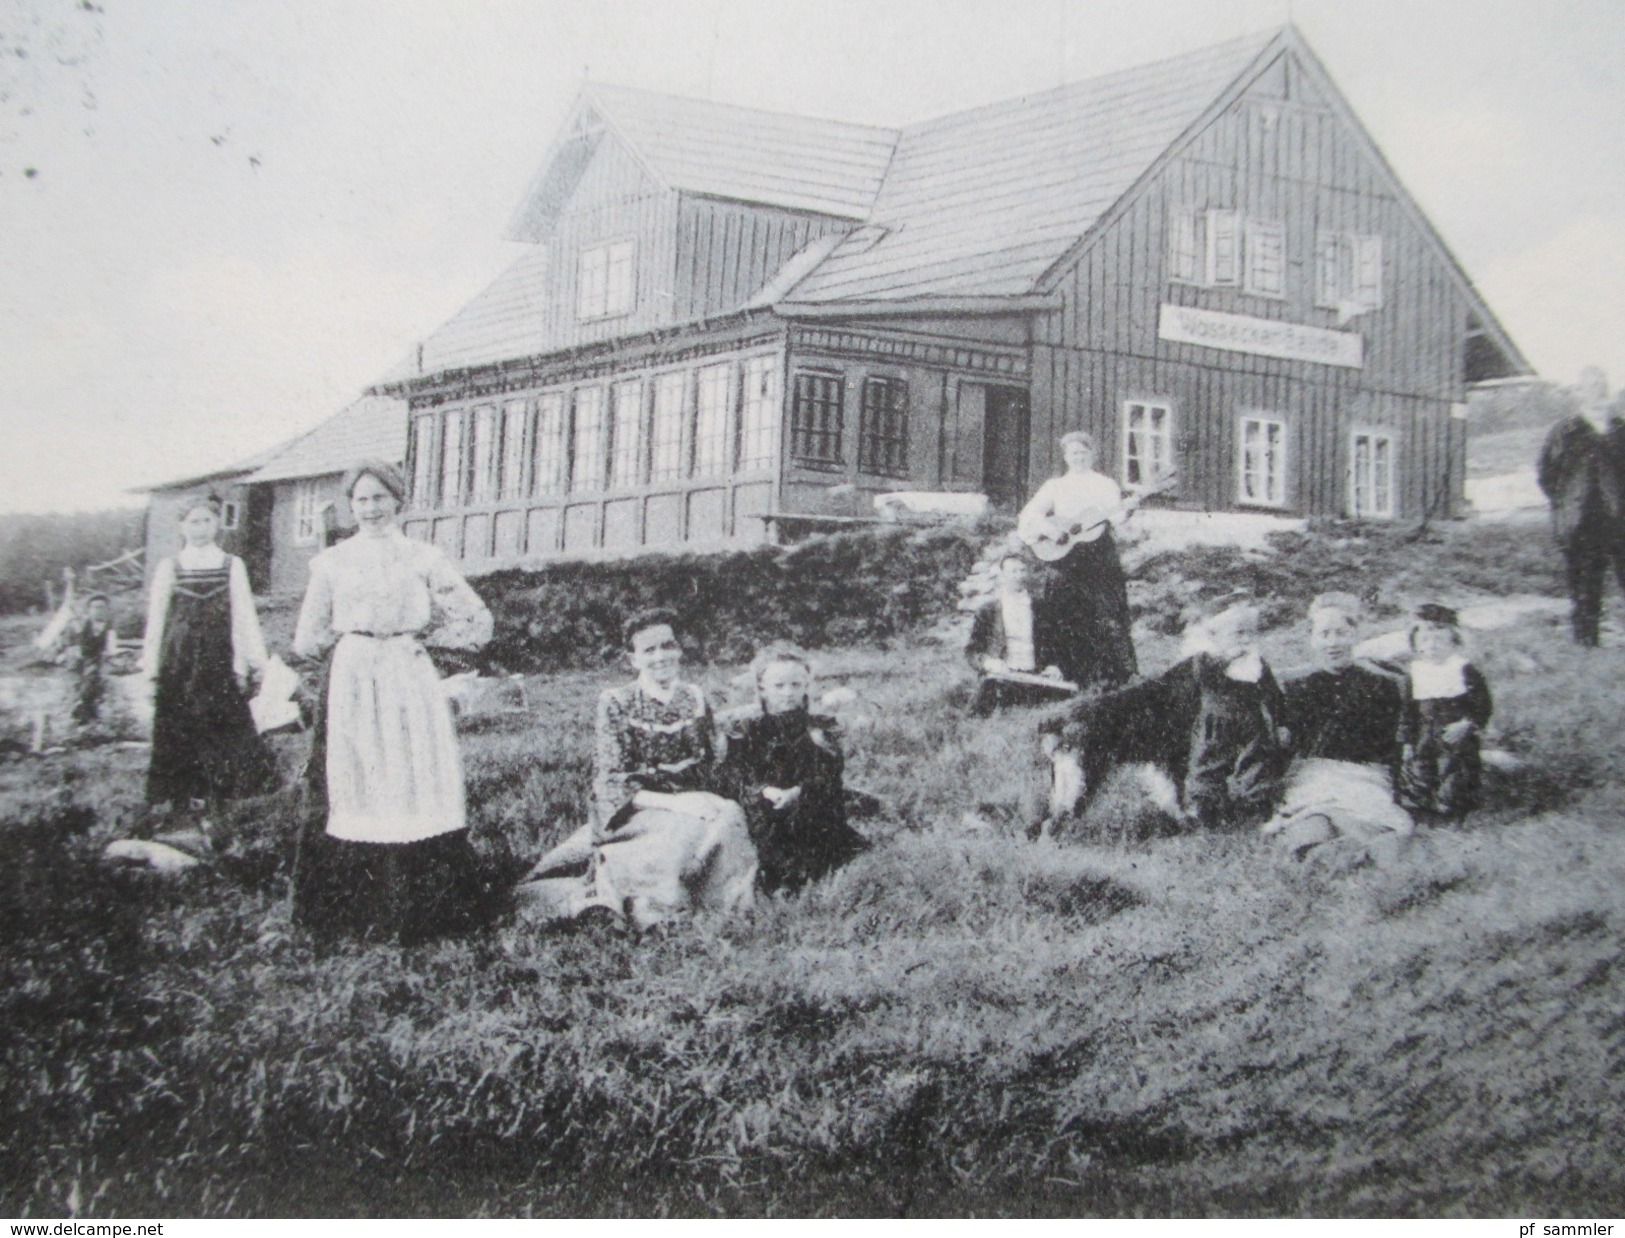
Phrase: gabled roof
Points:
(980, 203)
(232, 472)
(507, 319)
(374, 427)
(718, 149)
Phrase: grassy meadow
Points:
(1116, 1022)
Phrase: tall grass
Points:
(960, 1021)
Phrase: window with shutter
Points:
(1266, 258)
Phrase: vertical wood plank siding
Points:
(1303, 170)
(730, 250)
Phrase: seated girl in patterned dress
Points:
(1447, 704)
(662, 840)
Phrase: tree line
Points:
(35, 548)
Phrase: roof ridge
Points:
(1259, 40)
(892, 131)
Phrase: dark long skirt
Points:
(1086, 615)
(404, 893)
(204, 745)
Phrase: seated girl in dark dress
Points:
(783, 766)
(1212, 722)
(1446, 706)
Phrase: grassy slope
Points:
(961, 1021)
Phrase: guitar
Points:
(1056, 540)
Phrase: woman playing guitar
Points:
(1084, 609)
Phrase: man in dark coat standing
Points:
(1582, 471)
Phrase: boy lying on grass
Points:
(1212, 723)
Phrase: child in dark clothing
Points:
(1212, 722)
(1447, 704)
(783, 766)
(90, 645)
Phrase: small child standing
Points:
(92, 642)
(1447, 704)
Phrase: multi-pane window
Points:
(1348, 272)
(1225, 249)
(713, 391)
(307, 514)
(511, 475)
(626, 434)
(587, 459)
(1266, 259)
(605, 280)
(1148, 442)
(1262, 463)
(423, 462)
(759, 420)
(451, 461)
(815, 419)
(1371, 474)
(666, 427)
(548, 452)
(482, 471)
(883, 427)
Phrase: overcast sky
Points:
(241, 213)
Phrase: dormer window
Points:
(605, 283)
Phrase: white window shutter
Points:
(1367, 289)
(1224, 248)
(1266, 258)
(1185, 250)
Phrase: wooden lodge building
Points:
(732, 324)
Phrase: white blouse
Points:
(247, 641)
(1068, 499)
(1432, 681)
(389, 586)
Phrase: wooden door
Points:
(1007, 429)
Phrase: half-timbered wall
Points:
(1279, 156)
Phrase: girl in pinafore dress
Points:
(202, 641)
(385, 851)
(1447, 704)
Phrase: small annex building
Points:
(282, 505)
(730, 323)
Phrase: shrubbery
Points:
(870, 586)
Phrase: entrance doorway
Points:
(1005, 444)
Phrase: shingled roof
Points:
(373, 427)
(980, 203)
